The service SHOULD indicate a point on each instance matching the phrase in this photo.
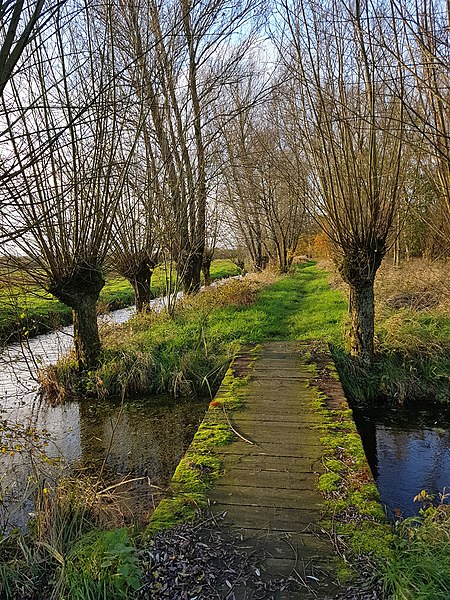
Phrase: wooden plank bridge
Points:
(267, 489)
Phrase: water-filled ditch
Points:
(143, 439)
(408, 451)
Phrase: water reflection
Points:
(143, 439)
(139, 437)
(408, 451)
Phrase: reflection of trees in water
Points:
(406, 453)
(92, 438)
(141, 439)
(439, 467)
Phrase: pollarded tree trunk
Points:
(80, 290)
(358, 269)
(141, 282)
(206, 268)
(85, 332)
(362, 312)
(190, 273)
(142, 292)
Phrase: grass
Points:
(27, 310)
(189, 351)
(412, 338)
(102, 565)
(419, 566)
(300, 306)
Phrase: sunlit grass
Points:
(300, 306)
(189, 351)
(419, 566)
(30, 310)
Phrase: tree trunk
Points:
(142, 290)
(206, 268)
(85, 333)
(80, 290)
(190, 273)
(358, 268)
(362, 313)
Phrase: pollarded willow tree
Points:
(266, 184)
(68, 117)
(188, 52)
(348, 124)
(135, 242)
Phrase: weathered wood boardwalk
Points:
(268, 489)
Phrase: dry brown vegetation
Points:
(417, 284)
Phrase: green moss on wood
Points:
(202, 464)
(352, 508)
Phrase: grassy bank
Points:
(189, 351)
(412, 338)
(27, 310)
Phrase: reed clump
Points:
(419, 565)
(69, 549)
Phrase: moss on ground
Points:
(202, 464)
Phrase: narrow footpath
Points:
(268, 489)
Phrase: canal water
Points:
(408, 451)
(142, 439)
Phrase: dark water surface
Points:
(408, 451)
(142, 439)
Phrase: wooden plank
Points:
(278, 479)
(290, 545)
(267, 518)
(285, 464)
(265, 431)
(308, 451)
(266, 496)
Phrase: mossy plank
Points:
(303, 499)
(306, 451)
(278, 479)
(281, 464)
(268, 518)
